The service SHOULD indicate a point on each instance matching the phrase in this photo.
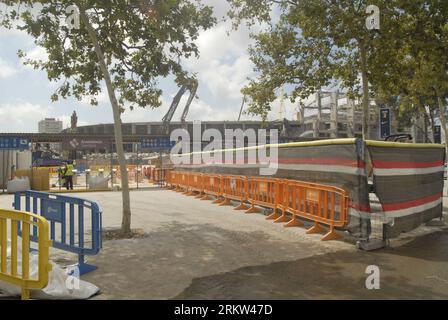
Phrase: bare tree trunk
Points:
(442, 111)
(126, 219)
(365, 92)
(426, 120)
(432, 122)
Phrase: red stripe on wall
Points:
(324, 161)
(316, 161)
(410, 204)
(360, 207)
(406, 164)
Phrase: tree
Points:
(416, 61)
(313, 44)
(127, 44)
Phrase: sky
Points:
(223, 68)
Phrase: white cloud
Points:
(6, 70)
(37, 54)
(223, 66)
(102, 98)
(22, 116)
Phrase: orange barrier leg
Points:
(331, 235)
(241, 206)
(199, 195)
(226, 202)
(252, 209)
(315, 229)
(274, 215)
(282, 218)
(205, 197)
(294, 223)
(217, 201)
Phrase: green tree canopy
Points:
(128, 44)
(313, 44)
(140, 43)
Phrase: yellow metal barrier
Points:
(13, 272)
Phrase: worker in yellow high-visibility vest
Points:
(68, 173)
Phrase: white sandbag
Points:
(18, 184)
(61, 285)
(98, 182)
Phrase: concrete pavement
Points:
(197, 250)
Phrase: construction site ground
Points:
(194, 249)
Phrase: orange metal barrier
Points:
(321, 204)
(170, 178)
(235, 188)
(212, 186)
(182, 181)
(196, 185)
(157, 175)
(264, 192)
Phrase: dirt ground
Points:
(197, 250)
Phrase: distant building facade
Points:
(51, 125)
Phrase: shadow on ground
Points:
(164, 263)
(417, 270)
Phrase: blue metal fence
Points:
(70, 227)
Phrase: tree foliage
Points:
(318, 43)
(141, 41)
(128, 44)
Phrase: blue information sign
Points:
(52, 211)
(437, 134)
(157, 143)
(13, 143)
(384, 123)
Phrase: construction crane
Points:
(169, 115)
(282, 108)
(242, 106)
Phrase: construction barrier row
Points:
(407, 179)
(15, 266)
(155, 175)
(75, 224)
(291, 201)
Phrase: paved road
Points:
(197, 250)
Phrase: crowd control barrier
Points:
(407, 179)
(196, 185)
(75, 224)
(212, 186)
(297, 201)
(264, 192)
(235, 188)
(18, 272)
(318, 203)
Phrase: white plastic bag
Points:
(61, 285)
(18, 184)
